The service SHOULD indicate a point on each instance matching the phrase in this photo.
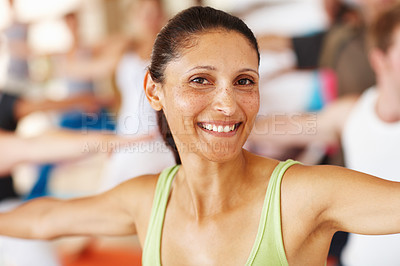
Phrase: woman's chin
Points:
(220, 150)
(221, 153)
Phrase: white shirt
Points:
(136, 118)
(373, 147)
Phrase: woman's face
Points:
(210, 95)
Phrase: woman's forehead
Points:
(212, 36)
(218, 48)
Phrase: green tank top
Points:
(268, 246)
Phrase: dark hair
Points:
(383, 27)
(178, 34)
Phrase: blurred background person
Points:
(17, 74)
(136, 118)
(345, 48)
(372, 131)
(367, 126)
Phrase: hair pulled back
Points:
(179, 34)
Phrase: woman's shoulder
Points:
(313, 185)
(142, 187)
(308, 177)
(139, 185)
(304, 173)
(137, 189)
(299, 170)
(136, 194)
(311, 176)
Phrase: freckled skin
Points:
(185, 104)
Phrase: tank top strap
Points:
(152, 245)
(268, 248)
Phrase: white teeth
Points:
(220, 129)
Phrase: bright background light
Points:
(49, 36)
(28, 10)
(4, 14)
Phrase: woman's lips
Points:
(219, 128)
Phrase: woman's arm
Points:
(318, 201)
(111, 213)
(352, 201)
(364, 204)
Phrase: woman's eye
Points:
(244, 82)
(202, 81)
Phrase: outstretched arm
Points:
(57, 146)
(83, 102)
(364, 204)
(103, 64)
(49, 218)
(339, 199)
(114, 212)
(298, 130)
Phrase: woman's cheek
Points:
(189, 101)
(251, 103)
(187, 105)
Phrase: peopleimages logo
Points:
(278, 123)
(282, 123)
(132, 126)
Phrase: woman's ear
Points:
(152, 92)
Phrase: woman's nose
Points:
(225, 101)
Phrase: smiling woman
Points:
(222, 205)
(217, 100)
(198, 74)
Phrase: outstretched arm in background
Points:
(56, 146)
(298, 130)
(83, 102)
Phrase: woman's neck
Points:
(211, 187)
(388, 103)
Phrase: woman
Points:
(223, 205)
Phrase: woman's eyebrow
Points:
(213, 68)
(249, 69)
(201, 67)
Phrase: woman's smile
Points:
(219, 128)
